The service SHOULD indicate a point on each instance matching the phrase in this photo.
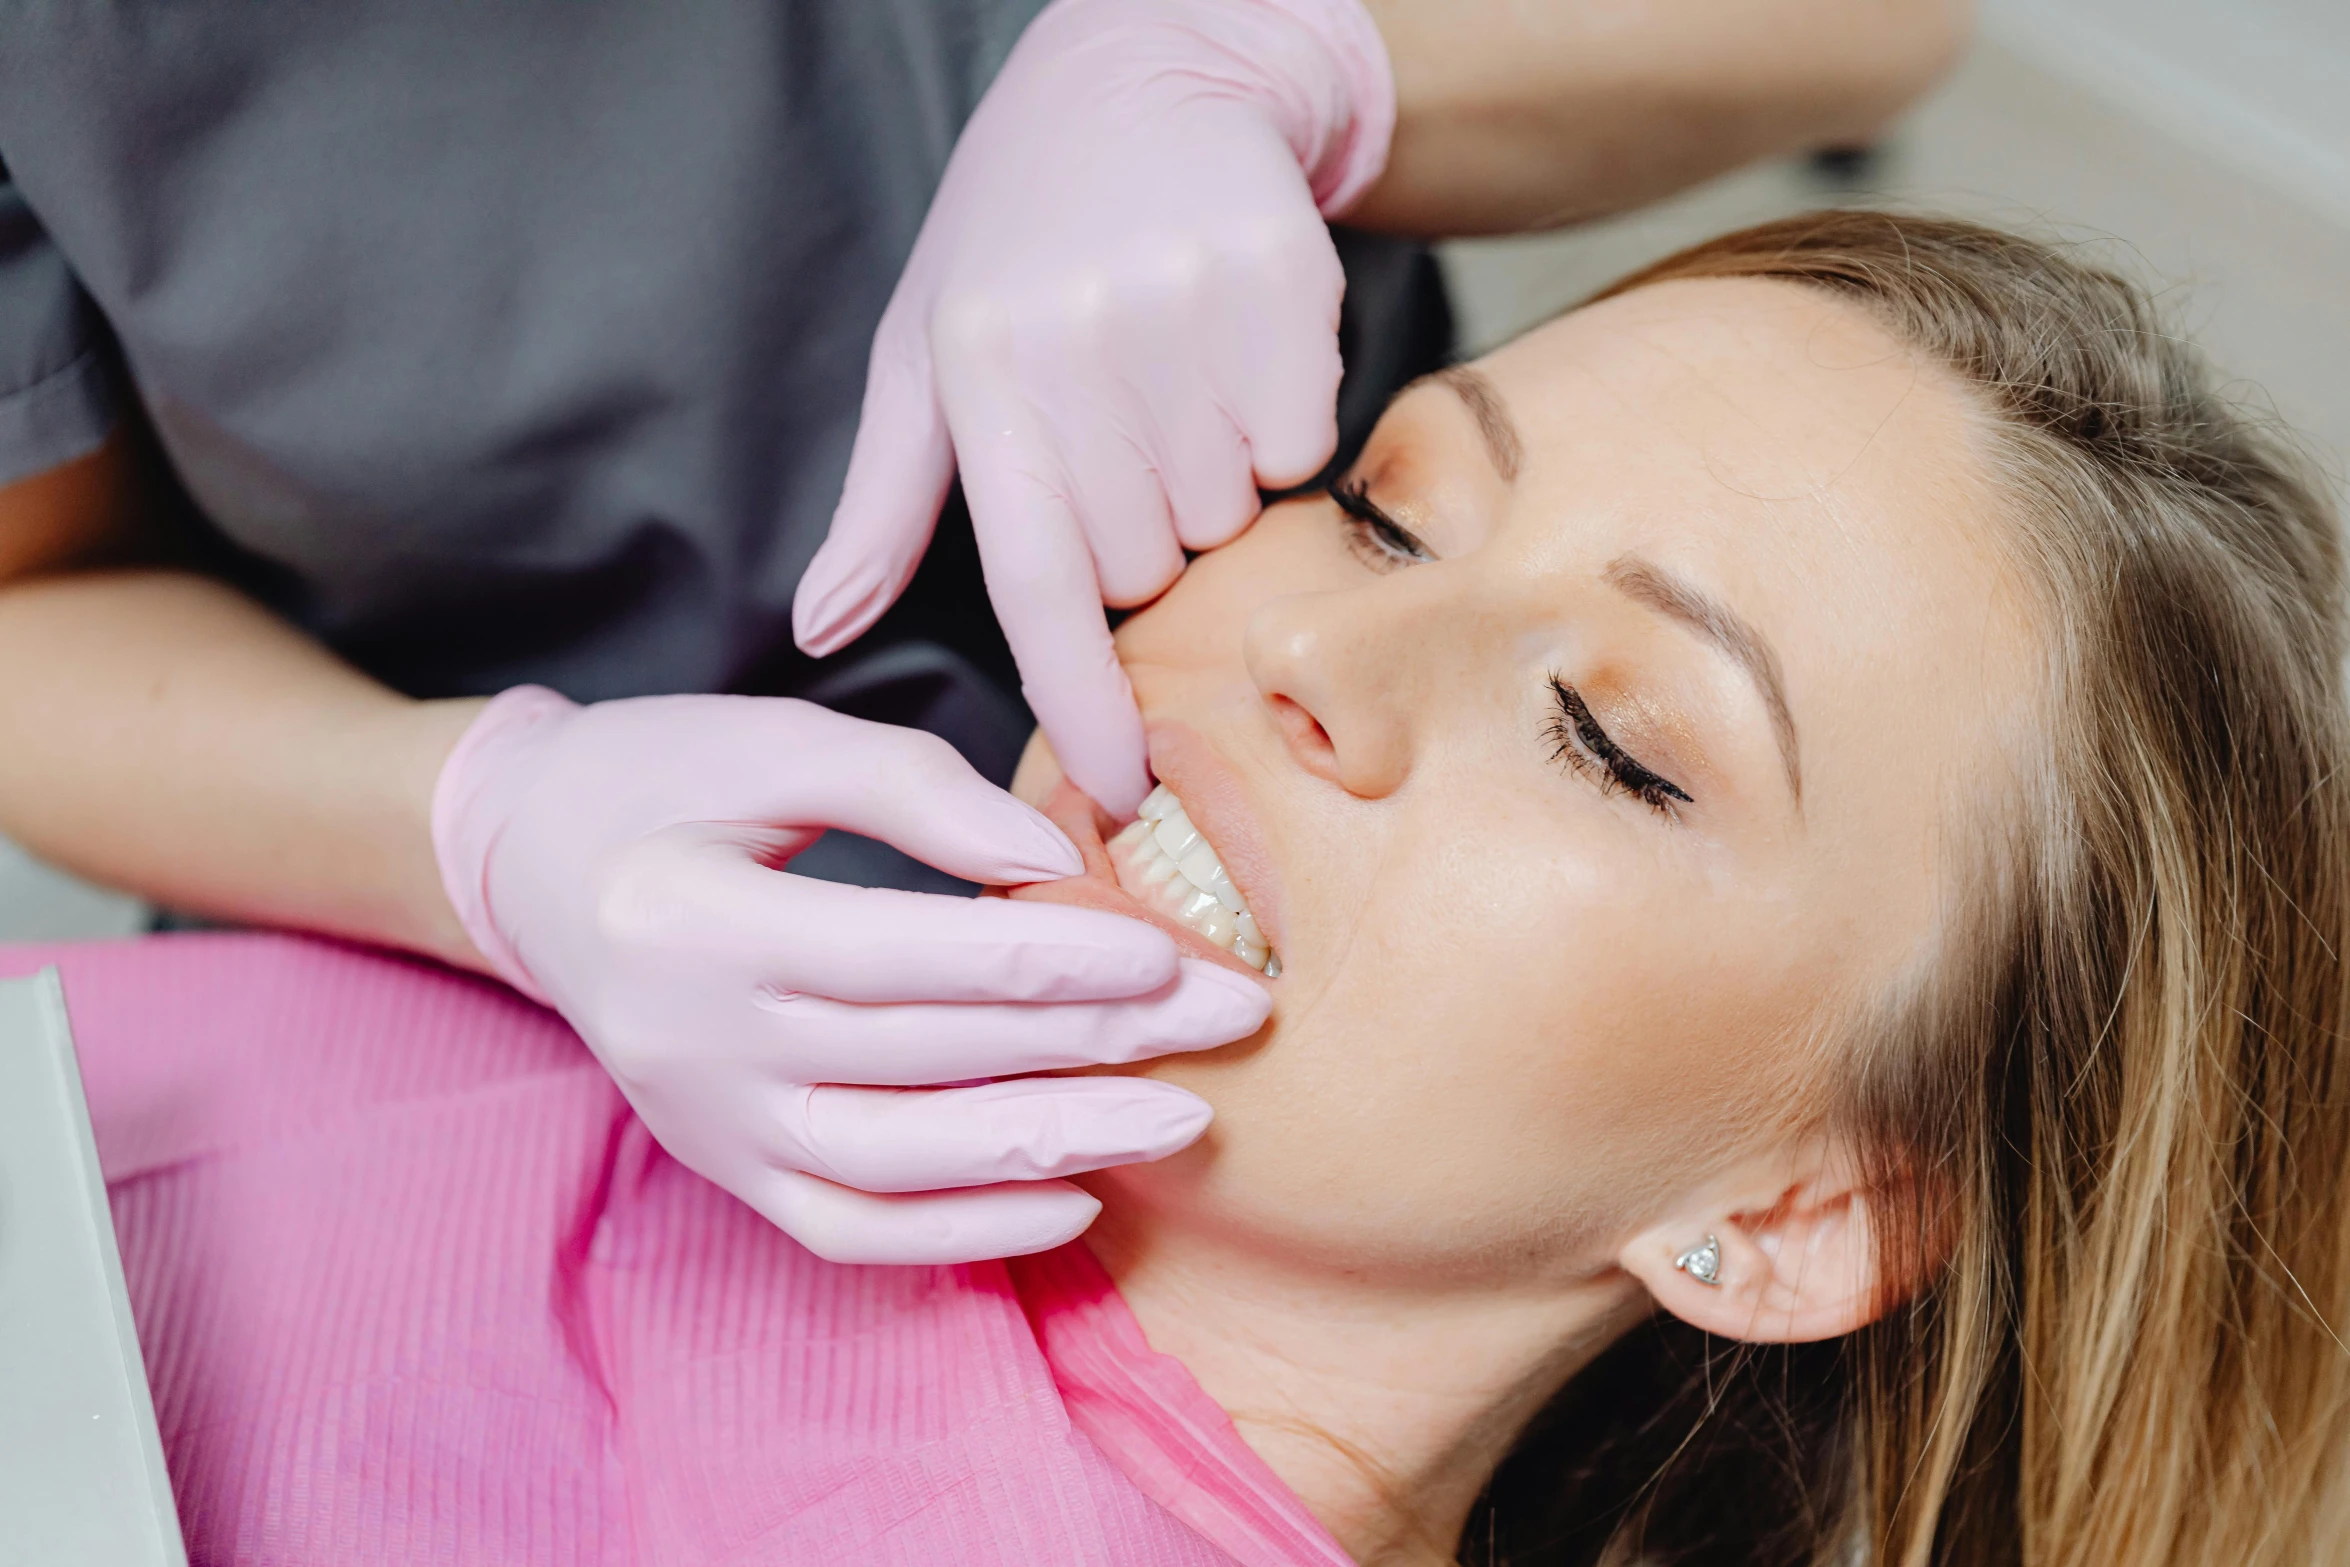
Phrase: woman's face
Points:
(1573, 765)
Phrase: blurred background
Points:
(2203, 145)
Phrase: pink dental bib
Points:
(413, 1286)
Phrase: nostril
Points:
(1308, 740)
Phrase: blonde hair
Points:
(2120, 1093)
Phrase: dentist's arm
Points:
(623, 863)
(163, 733)
(1120, 319)
(1513, 115)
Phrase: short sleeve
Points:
(56, 376)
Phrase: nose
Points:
(1328, 667)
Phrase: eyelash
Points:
(1578, 740)
(1378, 540)
(1576, 737)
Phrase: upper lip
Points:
(1214, 799)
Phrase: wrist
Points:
(1318, 69)
(470, 799)
(421, 734)
(1343, 148)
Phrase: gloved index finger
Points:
(1047, 594)
(879, 944)
(910, 789)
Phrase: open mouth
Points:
(1166, 864)
(1164, 870)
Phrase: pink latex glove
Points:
(1120, 318)
(621, 863)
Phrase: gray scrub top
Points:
(520, 340)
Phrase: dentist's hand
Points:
(622, 863)
(1119, 320)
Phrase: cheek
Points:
(1201, 620)
(1514, 1048)
(1569, 1013)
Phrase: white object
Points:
(81, 1464)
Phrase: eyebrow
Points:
(1485, 406)
(1723, 626)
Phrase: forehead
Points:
(1740, 393)
(1779, 446)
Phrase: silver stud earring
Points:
(1702, 1263)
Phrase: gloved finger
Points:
(907, 787)
(910, 1044)
(711, 905)
(1204, 462)
(899, 470)
(1041, 577)
(1116, 492)
(1278, 367)
(1029, 1129)
(973, 1224)
(1038, 563)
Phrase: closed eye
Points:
(1378, 540)
(1578, 739)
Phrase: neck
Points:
(1386, 1407)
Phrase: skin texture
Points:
(1534, 1035)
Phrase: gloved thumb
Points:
(899, 471)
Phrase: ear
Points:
(1799, 1235)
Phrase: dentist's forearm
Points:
(1531, 114)
(161, 733)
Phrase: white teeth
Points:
(1162, 859)
(1176, 835)
(1203, 870)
